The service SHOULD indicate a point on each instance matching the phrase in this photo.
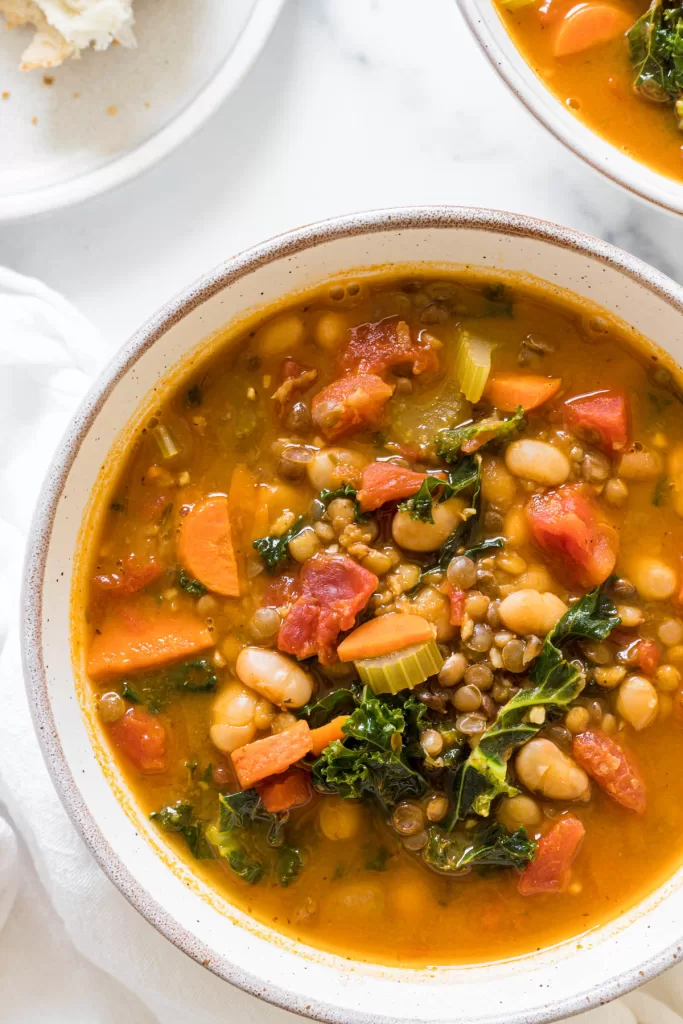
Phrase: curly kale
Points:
(275, 550)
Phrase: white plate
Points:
(109, 116)
(635, 177)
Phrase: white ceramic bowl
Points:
(539, 987)
(490, 33)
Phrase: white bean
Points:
(280, 335)
(653, 578)
(537, 461)
(233, 716)
(527, 611)
(640, 466)
(415, 535)
(274, 676)
(637, 702)
(544, 768)
(331, 468)
(498, 486)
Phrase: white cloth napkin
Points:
(71, 948)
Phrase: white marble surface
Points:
(354, 104)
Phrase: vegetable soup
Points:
(382, 620)
(616, 65)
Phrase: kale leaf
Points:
(245, 809)
(339, 702)
(469, 469)
(491, 846)
(371, 762)
(449, 442)
(434, 489)
(274, 550)
(346, 491)
(156, 691)
(191, 586)
(479, 549)
(180, 817)
(289, 864)
(555, 681)
(656, 51)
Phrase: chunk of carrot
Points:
(507, 391)
(326, 734)
(589, 24)
(386, 634)
(205, 546)
(142, 635)
(272, 755)
(282, 792)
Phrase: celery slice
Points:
(166, 441)
(472, 366)
(401, 670)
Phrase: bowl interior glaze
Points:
(540, 987)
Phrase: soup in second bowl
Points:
(382, 619)
(616, 65)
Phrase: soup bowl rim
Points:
(35, 677)
(622, 169)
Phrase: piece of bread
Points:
(65, 27)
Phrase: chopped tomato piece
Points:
(352, 403)
(550, 869)
(564, 525)
(282, 792)
(647, 656)
(131, 577)
(457, 600)
(601, 419)
(142, 738)
(383, 481)
(375, 348)
(332, 589)
(612, 768)
(278, 591)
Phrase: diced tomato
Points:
(647, 656)
(564, 525)
(282, 792)
(383, 481)
(457, 600)
(601, 418)
(142, 738)
(612, 768)
(280, 590)
(332, 590)
(550, 869)
(375, 348)
(131, 577)
(352, 403)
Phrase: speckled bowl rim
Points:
(403, 219)
(565, 127)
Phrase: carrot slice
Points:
(143, 636)
(327, 734)
(282, 792)
(205, 546)
(587, 25)
(549, 871)
(383, 635)
(271, 756)
(507, 391)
